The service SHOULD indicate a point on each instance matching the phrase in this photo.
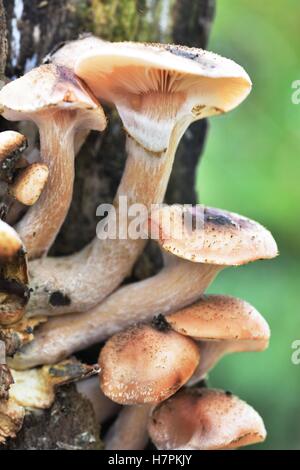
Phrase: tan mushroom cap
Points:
(14, 276)
(161, 83)
(10, 242)
(145, 365)
(214, 236)
(29, 184)
(222, 318)
(205, 419)
(11, 142)
(49, 87)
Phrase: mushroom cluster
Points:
(159, 337)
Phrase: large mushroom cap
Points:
(204, 419)
(208, 235)
(14, 292)
(49, 87)
(144, 365)
(153, 83)
(221, 318)
(215, 80)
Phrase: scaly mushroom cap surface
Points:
(14, 292)
(49, 88)
(29, 184)
(209, 235)
(144, 365)
(221, 318)
(165, 84)
(205, 419)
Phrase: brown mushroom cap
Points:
(144, 365)
(49, 88)
(204, 419)
(222, 318)
(29, 184)
(214, 236)
(162, 83)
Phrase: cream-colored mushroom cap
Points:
(11, 142)
(162, 83)
(14, 291)
(10, 242)
(50, 87)
(145, 365)
(205, 419)
(207, 235)
(29, 184)
(222, 318)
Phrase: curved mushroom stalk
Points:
(158, 91)
(180, 283)
(146, 364)
(222, 325)
(103, 407)
(60, 104)
(14, 292)
(205, 419)
(129, 431)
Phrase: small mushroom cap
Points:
(10, 143)
(10, 242)
(47, 88)
(222, 318)
(205, 419)
(144, 365)
(14, 292)
(209, 235)
(29, 184)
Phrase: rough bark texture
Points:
(34, 27)
(68, 425)
(3, 42)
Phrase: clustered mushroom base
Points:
(158, 337)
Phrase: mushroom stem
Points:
(40, 225)
(104, 408)
(129, 431)
(104, 263)
(179, 284)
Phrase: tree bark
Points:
(34, 28)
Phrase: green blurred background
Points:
(251, 165)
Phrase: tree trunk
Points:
(34, 28)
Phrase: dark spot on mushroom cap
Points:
(218, 219)
(58, 299)
(182, 52)
(160, 323)
(228, 394)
